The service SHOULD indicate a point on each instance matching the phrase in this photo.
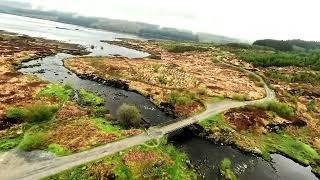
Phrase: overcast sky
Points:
(246, 19)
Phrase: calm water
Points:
(204, 155)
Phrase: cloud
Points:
(248, 19)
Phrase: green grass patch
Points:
(290, 146)
(62, 92)
(8, 143)
(90, 99)
(58, 150)
(16, 113)
(282, 109)
(106, 126)
(226, 171)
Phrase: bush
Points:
(90, 99)
(282, 109)
(226, 171)
(33, 141)
(129, 116)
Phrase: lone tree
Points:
(129, 116)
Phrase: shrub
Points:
(226, 171)
(39, 112)
(90, 99)
(129, 116)
(62, 92)
(33, 141)
(15, 113)
(282, 109)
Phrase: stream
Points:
(204, 156)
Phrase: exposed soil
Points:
(244, 119)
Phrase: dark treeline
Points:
(282, 59)
(289, 45)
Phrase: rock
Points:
(256, 151)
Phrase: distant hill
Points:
(138, 28)
(207, 37)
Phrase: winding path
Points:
(49, 167)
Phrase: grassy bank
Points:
(282, 142)
(141, 162)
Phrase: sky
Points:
(245, 19)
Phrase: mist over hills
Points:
(145, 30)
